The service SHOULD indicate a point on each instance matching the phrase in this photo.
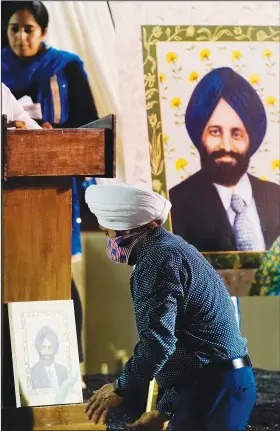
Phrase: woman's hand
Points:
(47, 125)
(17, 124)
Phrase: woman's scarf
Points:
(46, 72)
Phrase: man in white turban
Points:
(123, 207)
(189, 339)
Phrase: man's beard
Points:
(221, 172)
(47, 361)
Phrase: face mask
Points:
(119, 249)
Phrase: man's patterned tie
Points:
(244, 237)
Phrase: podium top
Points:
(87, 151)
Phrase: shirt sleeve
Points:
(156, 308)
(164, 405)
(18, 113)
(82, 109)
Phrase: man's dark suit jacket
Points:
(198, 214)
(40, 378)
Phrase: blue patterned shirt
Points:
(184, 314)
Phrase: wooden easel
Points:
(36, 177)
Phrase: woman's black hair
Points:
(36, 8)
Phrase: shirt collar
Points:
(49, 366)
(243, 189)
(148, 241)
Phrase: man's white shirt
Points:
(52, 376)
(243, 189)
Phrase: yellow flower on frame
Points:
(193, 76)
(190, 31)
(237, 30)
(254, 79)
(263, 178)
(236, 55)
(181, 164)
(176, 102)
(157, 31)
(150, 79)
(165, 138)
(162, 77)
(267, 53)
(157, 185)
(171, 57)
(275, 164)
(153, 120)
(205, 54)
(270, 100)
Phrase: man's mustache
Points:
(221, 153)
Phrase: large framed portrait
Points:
(212, 102)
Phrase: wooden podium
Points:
(37, 166)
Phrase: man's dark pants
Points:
(211, 399)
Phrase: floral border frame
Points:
(151, 35)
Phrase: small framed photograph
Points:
(45, 353)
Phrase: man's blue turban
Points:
(224, 83)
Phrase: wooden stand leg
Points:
(37, 243)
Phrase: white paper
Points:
(25, 101)
(34, 110)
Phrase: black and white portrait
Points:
(45, 353)
(47, 373)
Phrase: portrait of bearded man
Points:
(222, 207)
(47, 373)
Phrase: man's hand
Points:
(151, 421)
(101, 403)
(17, 124)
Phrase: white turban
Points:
(124, 207)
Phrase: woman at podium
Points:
(52, 78)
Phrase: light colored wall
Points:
(261, 326)
(109, 315)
